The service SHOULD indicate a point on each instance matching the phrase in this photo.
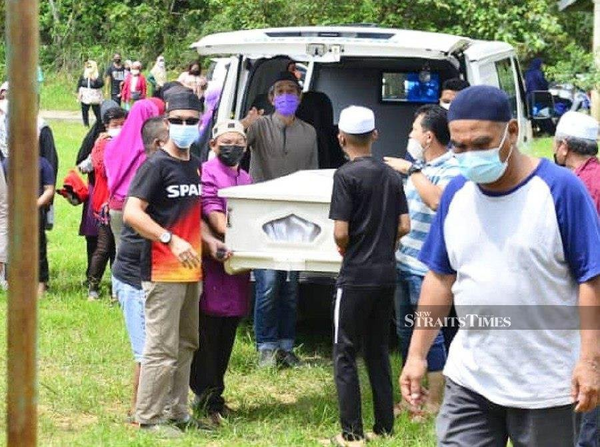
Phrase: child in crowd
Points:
(225, 298)
(370, 212)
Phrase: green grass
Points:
(85, 365)
(58, 92)
(540, 147)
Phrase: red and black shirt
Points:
(172, 189)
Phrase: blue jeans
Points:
(408, 289)
(589, 436)
(275, 309)
(132, 303)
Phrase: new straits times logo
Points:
(425, 320)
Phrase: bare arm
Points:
(218, 222)
(403, 225)
(434, 302)
(136, 217)
(586, 377)
(46, 198)
(340, 234)
(429, 193)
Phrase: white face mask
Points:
(113, 131)
(415, 149)
(445, 105)
(135, 72)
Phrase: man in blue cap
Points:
(511, 231)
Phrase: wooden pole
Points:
(595, 93)
(22, 55)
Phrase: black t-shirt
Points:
(127, 266)
(117, 75)
(369, 196)
(172, 189)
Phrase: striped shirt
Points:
(440, 172)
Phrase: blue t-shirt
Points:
(531, 246)
(46, 173)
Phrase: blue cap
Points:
(482, 103)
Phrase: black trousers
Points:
(85, 113)
(44, 270)
(217, 335)
(116, 98)
(105, 251)
(362, 322)
(90, 246)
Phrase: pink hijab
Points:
(124, 154)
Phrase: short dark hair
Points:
(581, 146)
(359, 139)
(114, 113)
(455, 84)
(152, 129)
(435, 120)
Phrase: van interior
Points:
(393, 88)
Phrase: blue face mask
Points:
(183, 135)
(483, 166)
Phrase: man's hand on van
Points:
(398, 164)
(253, 115)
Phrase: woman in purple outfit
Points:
(225, 298)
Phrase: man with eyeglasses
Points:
(515, 245)
(164, 208)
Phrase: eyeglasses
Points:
(187, 121)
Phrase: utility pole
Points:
(596, 49)
(23, 172)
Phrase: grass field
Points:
(85, 364)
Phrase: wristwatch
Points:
(417, 166)
(166, 237)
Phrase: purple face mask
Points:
(287, 104)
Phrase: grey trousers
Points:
(172, 312)
(469, 419)
(116, 225)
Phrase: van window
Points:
(506, 79)
(410, 87)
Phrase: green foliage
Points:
(72, 30)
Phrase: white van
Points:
(362, 66)
(391, 71)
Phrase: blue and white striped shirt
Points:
(439, 172)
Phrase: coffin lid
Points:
(302, 186)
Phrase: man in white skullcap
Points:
(370, 212)
(576, 147)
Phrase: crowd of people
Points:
(466, 220)
(124, 83)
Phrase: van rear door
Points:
(495, 64)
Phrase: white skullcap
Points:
(578, 125)
(356, 120)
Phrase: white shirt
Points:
(522, 255)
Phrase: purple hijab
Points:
(124, 154)
(211, 100)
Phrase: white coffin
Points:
(282, 224)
